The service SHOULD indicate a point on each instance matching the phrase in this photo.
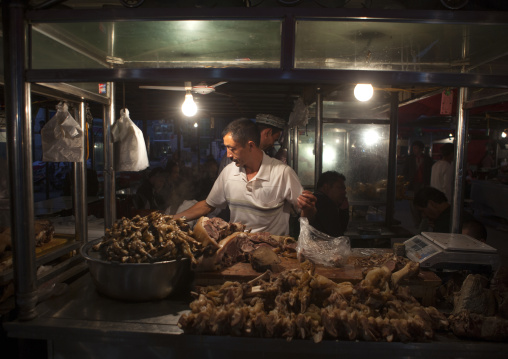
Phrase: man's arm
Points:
(307, 203)
(198, 210)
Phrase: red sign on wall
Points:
(446, 102)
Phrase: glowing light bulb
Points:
(189, 107)
(363, 92)
(195, 124)
(371, 137)
(503, 134)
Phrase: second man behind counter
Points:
(332, 206)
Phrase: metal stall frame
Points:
(19, 79)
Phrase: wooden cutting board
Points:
(423, 287)
(243, 272)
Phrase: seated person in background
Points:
(92, 183)
(148, 195)
(170, 191)
(434, 206)
(475, 229)
(206, 178)
(332, 206)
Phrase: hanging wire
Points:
(124, 96)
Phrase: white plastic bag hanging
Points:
(129, 144)
(300, 114)
(62, 137)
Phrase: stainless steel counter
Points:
(83, 324)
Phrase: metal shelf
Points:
(52, 254)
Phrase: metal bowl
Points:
(135, 282)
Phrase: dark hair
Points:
(475, 229)
(446, 149)
(419, 144)
(170, 165)
(330, 178)
(242, 131)
(426, 194)
(157, 171)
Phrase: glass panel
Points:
(362, 45)
(306, 155)
(48, 53)
(360, 152)
(169, 44)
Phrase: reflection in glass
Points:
(360, 152)
(397, 46)
(160, 44)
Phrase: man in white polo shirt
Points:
(259, 190)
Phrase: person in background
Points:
(442, 171)
(332, 206)
(92, 183)
(417, 171)
(148, 195)
(170, 191)
(433, 206)
(260, 191)
(475, 229)
(206, 178)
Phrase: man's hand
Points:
(198, 210)
(307, 203)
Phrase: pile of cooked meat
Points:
(43, 233)
(153, 238)
(213, 244)
(300, 304)
(227, 243)
(480, 311)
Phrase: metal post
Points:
(295, 148)
(392, 159)
(80, 191)
(19, 143)
(461, 146)
(109, 172)
(318, 142)
(289, 144)
(460, 161)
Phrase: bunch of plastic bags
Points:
(62, 137)
(129, 144)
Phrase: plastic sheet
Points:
(62, 138)
(129, 144)
(321, 248)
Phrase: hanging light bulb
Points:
(363, 92)
(503, 134)
(189, 107)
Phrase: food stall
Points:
(80, 322)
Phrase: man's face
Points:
(337, 192)
(432, 211)
(417, 150)
(158, 182)
(268, 138)
(238, 153)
